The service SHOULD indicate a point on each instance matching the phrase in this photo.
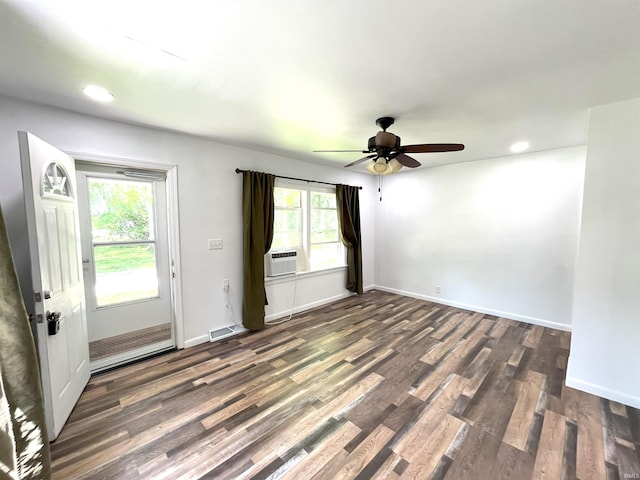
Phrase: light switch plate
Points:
(214, 243)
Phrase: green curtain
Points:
(257, 224)
(348, 203)
(24, 448)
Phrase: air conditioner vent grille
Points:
(281, 263)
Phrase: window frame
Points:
(152, 240)
(304, 251)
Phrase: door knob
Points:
(47, 294)
(53, 322)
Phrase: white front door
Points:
(54, 246)
(127, 270)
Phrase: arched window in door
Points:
(55, 181)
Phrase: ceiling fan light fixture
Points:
(393, 166)
(381, 165)
(378, 166)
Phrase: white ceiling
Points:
(292, 76)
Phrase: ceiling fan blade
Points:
(432, 147)
(407, 161)
(363, 159)
(339, 151)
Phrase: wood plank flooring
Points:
(373, 387)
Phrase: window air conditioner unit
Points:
(281, 263)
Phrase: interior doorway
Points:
(127, 262)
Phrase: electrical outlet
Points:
(214, 243)
(225, 284)
(438, 290)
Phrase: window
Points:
(54, 181)
(287, 222)
(123, 240)
(306, 220)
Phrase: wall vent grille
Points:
(223, 332)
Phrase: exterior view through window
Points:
(287, 221)
(306, 220)
(123, 237)
(325, 242)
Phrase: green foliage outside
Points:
(286, 197)
(111, 259)
(324, 226)
(287, 218)
(127, 262)
(323, 220)
(323, 200)
(120, 210)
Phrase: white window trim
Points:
(299, 275)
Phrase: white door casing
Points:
(120, 318)
(54, 246)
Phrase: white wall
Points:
(282, 291)
(497, 235)
(606, 313)
(209, 201)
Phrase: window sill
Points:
(298, 275)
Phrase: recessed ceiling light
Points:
(98, 94)
(519, 147)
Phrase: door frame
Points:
(173, 223)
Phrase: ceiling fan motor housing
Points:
(384, 140)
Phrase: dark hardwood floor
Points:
(373, 387)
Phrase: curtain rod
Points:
(299, 179)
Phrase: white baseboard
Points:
(192, 342)
(476, 308)
(308, 306)
(274, 316)
(603, 392)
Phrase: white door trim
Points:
(171, 171)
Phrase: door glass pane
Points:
(125, 273)
(121, 210)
